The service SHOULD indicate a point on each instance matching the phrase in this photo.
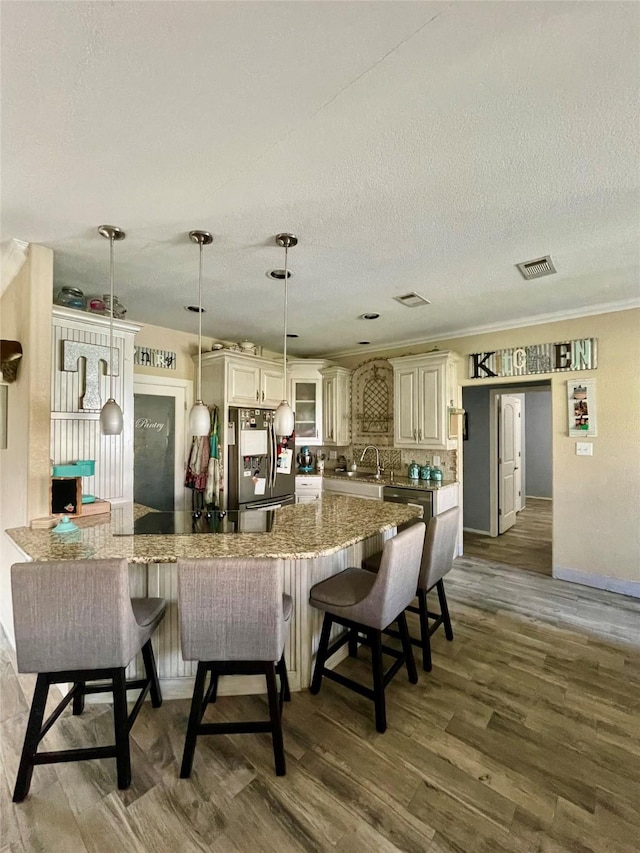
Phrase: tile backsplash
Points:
(390, 458)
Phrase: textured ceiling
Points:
(411, 146)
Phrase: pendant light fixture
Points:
(199, 416)
(284, 420)
(111, 420)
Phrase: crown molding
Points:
(539, 320)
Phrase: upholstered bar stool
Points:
(366, 604)
(75, 622)
(437, 559)
(234, 620)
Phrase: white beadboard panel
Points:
(304, 630)
(75, 433)
(67, 385)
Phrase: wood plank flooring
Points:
(525, 737)
(526, 545)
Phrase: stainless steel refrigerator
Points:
(260, 464)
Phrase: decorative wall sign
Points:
(147, 357)
(581, 397)
(72, 352)
(581, 354)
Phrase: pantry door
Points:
(159, 442)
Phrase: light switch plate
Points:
(333, 454)
(584, 448)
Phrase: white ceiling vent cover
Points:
(537, 268)
(412, 300)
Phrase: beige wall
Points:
(25, 316)
(596, 500)
(184, 344)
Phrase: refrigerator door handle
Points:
(275, 456)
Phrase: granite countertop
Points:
(301, 531)
(385, 480)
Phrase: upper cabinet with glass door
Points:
(305, 396)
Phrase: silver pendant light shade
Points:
(199, 416)
(284, 419)
(111, 418)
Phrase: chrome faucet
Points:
(378, 468)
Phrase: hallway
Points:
(526, 545)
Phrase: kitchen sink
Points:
(359, 475)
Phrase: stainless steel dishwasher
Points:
(415, 497)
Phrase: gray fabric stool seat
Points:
(437, 559)
(234, 620)
(75, 622)
(366, 604)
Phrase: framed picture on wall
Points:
(581, 399)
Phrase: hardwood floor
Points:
(526, 545)
(524, 737)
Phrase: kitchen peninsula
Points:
(314, 541)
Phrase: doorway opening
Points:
(507, 493)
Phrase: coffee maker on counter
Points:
(306, 461)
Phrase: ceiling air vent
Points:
(537, 268)
(412, 300)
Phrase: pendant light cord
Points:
(199, 396)
(111, 274)
(286, 295)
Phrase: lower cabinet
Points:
(308, 489)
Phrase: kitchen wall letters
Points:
(147, 357)
(72, 352)
(581, 354)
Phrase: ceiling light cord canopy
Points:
(199, 416)
(111, 418)
(284, 420)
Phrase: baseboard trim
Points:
(473, 530)
(537, 498)
(618, 585)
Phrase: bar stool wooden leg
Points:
(31, 739)
(78, 698)
(121, 727)
(424, 631)
(321, 656)
(444, 609)
(195, 716)
(353, 643)
(406, 648)
(285, 693)
(375, 639)
(152, 674)
(276, 720)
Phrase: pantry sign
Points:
(581, 354)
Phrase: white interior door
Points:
(518, 440)
(508, 460)
(161, 430)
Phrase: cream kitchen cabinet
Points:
(336, 399)
(305, 396)
(241, 380)
(308, 488)
(425, 386)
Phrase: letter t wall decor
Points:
(72, 352)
